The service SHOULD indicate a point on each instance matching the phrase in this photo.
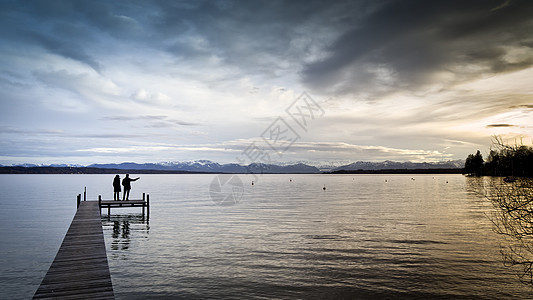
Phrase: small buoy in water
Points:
(324, 188)
(252, 182)
(385, 180)
(446, 181)
(290, 179)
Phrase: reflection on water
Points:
(124, 237)
(512, 217)
(122, 226)
(365, 237)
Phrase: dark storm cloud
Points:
(338, 46)
(65, 48)
(77, 30)
(410, 40)
(500, 125)
(256, 36)
(53, 26)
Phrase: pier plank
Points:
(80, 269)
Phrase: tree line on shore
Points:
(503, 160)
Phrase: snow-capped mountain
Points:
(207, 166)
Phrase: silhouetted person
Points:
(126, 182)
(116, 188)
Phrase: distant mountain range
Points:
(392, 165)
(212, 167)
(206, 166)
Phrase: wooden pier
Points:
(80, 269)
(144, 203)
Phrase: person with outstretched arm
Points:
(126, 182)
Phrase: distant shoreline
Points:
(89, 170)
(400, 171)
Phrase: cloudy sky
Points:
(241, 81)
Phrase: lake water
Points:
(365, 236)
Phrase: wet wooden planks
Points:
(80, 269)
